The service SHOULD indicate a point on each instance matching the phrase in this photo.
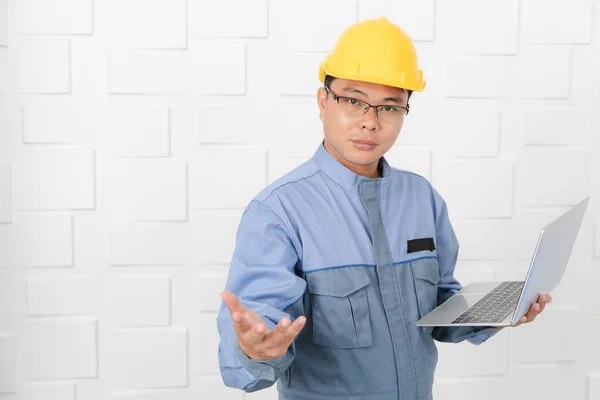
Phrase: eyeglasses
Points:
(356, 108)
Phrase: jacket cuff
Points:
(264, 372)
(482, 335)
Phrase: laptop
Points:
(504, 303)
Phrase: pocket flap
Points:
(426, 269)
(337, 282)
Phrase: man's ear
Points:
(322, 101)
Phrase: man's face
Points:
(342, 129)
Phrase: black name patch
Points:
(420, 245)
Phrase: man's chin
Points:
(363, 157)
(363, 161)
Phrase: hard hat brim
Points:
(404, 80)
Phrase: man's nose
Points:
(370, 119)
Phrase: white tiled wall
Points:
(134, 132)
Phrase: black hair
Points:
(329, 79)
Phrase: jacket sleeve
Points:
(262, 276)
(447, 254)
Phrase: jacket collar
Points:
(348, 179)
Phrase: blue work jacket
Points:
(363, 259)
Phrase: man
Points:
(336, 261)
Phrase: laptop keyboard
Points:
(495, 306)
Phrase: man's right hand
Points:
(254, 337)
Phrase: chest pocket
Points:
(426, 276)
(340, 307)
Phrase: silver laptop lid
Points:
(551, 256)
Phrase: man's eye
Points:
(390, 109)
(352, 101)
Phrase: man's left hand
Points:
(535, 310)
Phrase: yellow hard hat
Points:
(378, 51)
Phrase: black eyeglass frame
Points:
(337, 98)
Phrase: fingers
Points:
(255, 334)
(296, 327)
(285, 331)
(545, 298)
(244, 319)
(232, 302)
(542, 301)
(533, 312)
(236, 309)
(535, 309)
(277, 336)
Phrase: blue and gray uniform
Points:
(363, 259)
